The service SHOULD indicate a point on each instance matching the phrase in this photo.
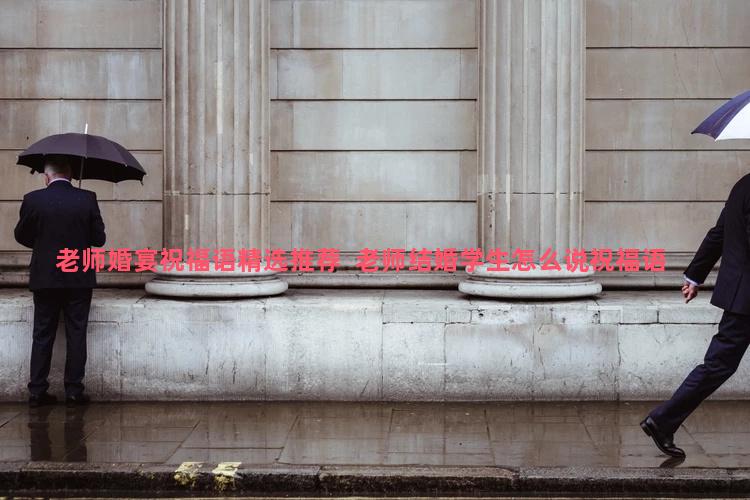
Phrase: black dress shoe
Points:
(663, 441)
(672, 462)
(43, 399)
(78, 400)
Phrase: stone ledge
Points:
(378, 345)
(17, 276)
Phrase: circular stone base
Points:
(532, 284)
(216, 284)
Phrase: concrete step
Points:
(66, 480)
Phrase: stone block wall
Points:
(655, 70)
(374, 123)
(67, 63)
(374, 116)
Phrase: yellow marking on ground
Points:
(224, 474)
(187, 473)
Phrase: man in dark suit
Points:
(728, 239)
(59, 216)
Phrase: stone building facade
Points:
(377, 123)
(386, 123)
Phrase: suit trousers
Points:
(723, 357)
(48, 303)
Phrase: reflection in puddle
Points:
(61, 440)
(512, 434)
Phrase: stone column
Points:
(531, 148)
(216, 151)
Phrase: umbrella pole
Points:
(80, 171)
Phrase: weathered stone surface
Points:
(374, 23)
(626, 313)
(531, 161)
(591, 348)
(135, 224)
(703, 313)
(136, 125)
(441, 225)
(216, 284)
(681, 175)
(535, 283)
(368, 125)
(674, 226)
(217, 131)
(80, 74)
(373, 175)
(214, 220)
(371, 345)
(132, 225)
(666, 73)
(686, 23)
(350, 226)
(655, 70)
(14, 357)
(67, 63)
(348, 276)
(311, 347)
(651, 125)
(373, 124)
(217, 140)
(414, 361)
(488, 346)
(281, 225)
(354, 226)
(401, 306)
(535, 221)
(73, 23)
(375, 74)
(645, 351)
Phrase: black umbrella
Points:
(92, 157)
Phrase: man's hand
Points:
(689, 291)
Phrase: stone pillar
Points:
(531, 147)
(216, 151)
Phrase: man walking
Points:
(728, 239)
(59, 216)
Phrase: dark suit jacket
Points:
(59, 216)
(730, 240)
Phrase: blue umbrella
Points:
(731, 121)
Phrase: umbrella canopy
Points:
(731, 121)
(97, 157)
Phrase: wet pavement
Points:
(597, 434)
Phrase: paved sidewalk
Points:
(505, 434)
(483, 441)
